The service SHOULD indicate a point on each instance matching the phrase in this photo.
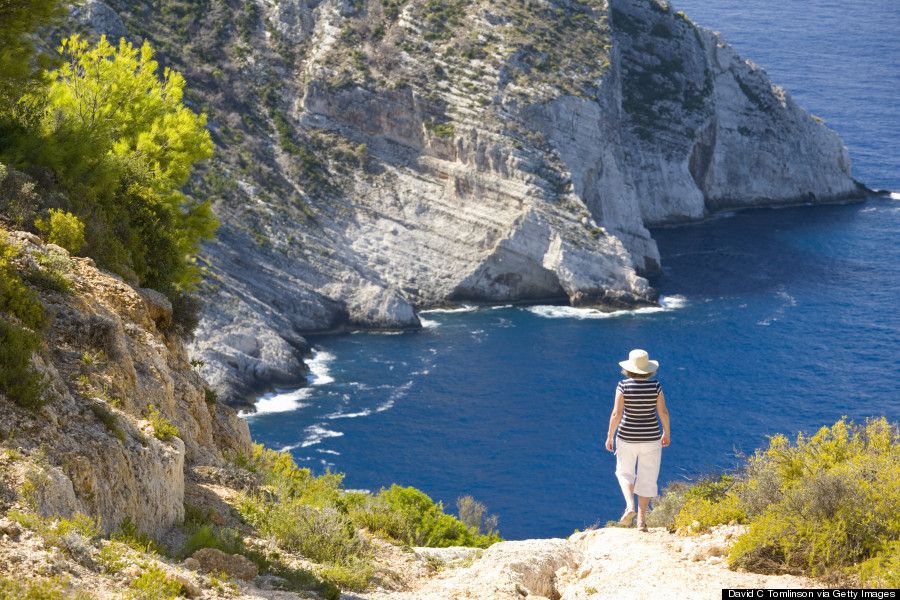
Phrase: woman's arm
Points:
(614, 418)
(664, 418)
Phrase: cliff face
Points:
(379, 157)
(93, 448)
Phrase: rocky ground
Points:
(596, 564)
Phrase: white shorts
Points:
(637, 464)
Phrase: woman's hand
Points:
(665, 440)
(610, 445)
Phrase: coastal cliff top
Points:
(596, 564)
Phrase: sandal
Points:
(627, 517)
(642, 527)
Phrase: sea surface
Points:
(772, 321)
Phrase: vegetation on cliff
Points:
(104, 144)
(826, 506)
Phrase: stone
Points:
(190, 586)
(158, 306)
(10, 527)
(234, 565)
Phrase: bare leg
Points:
(628, 492)
(643, 504)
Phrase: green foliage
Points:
(18, 379)
(122, 145)
(315, 517)
(51, 273)
(112, 557)
(52, 589)
(109, 420)
(154, 584)
(63, 229)
(443, 130)
(210, 395)
(162, 427)
(15, 297)
(827, 505)
(229, 541)
(21, 65)
(129, 535)
(73, 535)
(426, 524)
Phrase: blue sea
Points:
(772, 321)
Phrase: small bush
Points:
(49, 280)
(825, 506)
(210, 395)
(52, 589)
(63, 229)
(15, 297)
(667, 507)
(154, 584)
(473, 514)
(162, 427)
(112, 557)
(109, 420)
(229, 541)
(129, 535)
(18, 379)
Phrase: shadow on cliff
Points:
(752, 251)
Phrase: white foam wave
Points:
(673, 302)
(386, 406)
(428, 323)
(570, 312)
(401, 391)
(319, 372)
(462, 309)
(895, 195)
(332, 452)
(279, 402)
(364, 413)
(317, 433)
(501, 306)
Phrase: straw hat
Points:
(639, 362)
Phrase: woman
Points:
(639, 444)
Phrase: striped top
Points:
(639, 422)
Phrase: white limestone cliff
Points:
(493, 178)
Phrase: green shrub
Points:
(53, 589)
(129, 535)
(154, 584)
(50, 280)
(825, 506)
(229, 541)
(109, 420)
(428, 525)
(15, 297)
(119, 140)
(63, 229)
(18, 379)
(74, 536)
(162, 427)
(668, 505)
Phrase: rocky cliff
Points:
(378, 157)
(116, 381)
